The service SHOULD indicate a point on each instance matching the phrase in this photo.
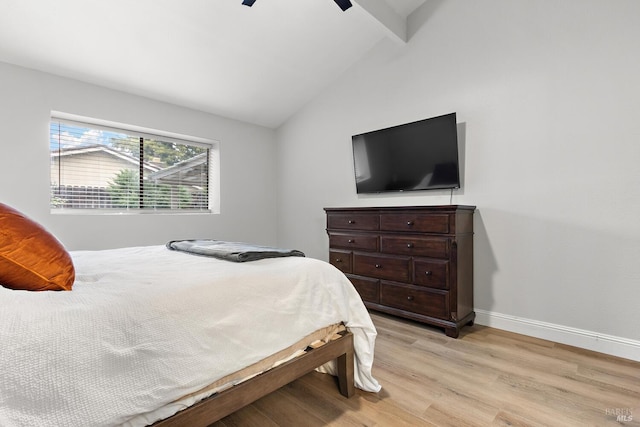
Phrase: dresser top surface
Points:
(435, 208)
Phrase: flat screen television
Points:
(421, 155)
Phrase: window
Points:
(115, 168)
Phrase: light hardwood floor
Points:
(486, 377)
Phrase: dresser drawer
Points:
(431, 273)
(341, 260)
(369, 289)
(417, 246)
(415, 299)
(382, 267)
(423, 223)
(353, 221)
(354, 241)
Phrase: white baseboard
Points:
(608, 344)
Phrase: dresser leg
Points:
(452, 332)
(472, 318)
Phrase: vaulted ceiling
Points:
(258, 64)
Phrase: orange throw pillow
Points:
(31, 258)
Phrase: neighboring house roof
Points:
(185, 172)
(87, 149)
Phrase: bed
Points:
(149, 335)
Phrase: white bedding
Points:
(144, 326)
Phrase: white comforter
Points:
(144, 326)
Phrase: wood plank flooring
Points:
(486, 377)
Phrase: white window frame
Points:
(110, 126)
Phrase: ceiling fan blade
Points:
(344, 4)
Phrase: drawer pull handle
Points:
(409, 245)
(409, 223)
(350, 240)
(338, 259)
(410, 298)
(378, 265)
(428, 273)
(351, 221)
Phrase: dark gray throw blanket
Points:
(230, 251)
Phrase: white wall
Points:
(549, 98)
(247, 173)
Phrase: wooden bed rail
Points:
(228, 401)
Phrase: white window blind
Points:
(98, 167)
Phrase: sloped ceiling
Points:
(256, 64)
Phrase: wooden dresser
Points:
(414, 262)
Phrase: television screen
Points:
(421, 155)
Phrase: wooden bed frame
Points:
(220, 405)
